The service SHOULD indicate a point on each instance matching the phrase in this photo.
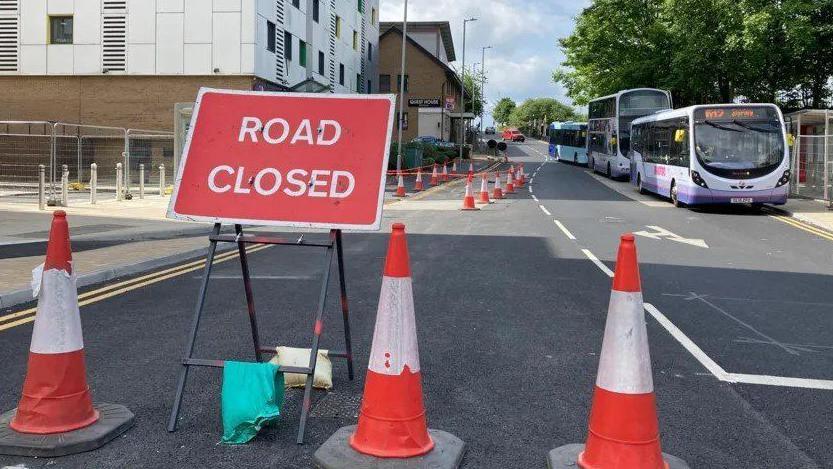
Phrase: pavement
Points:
(511, 303)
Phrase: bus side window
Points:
(683, 147)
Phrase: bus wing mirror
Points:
(680, 135)
(790, 139)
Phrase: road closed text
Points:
(293, 183)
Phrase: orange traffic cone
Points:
(498, 192)
(519, 179)
(468, 198)
(56, 398)
(510, 186)
(522, 175)
(435, 179)
(471, 167)
(418, 186)
(400, 185)
(445, 172)
(454, 166)
(624, 431)
(392, 421)
(483, 196)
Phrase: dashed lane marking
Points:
(544, 209)
(534, 198)
(598, 263)
(565, 230)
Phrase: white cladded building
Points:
(101, 61)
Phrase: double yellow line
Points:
(28, 315)
(800, 225)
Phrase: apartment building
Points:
(127, 62)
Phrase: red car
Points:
(513, 135)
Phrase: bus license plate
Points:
(741, 200)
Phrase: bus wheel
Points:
(639, 184)
(675, 196)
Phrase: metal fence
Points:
(26, 145)
(812, 154)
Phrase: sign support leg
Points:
(247, 284)
(319, 325)
(189, 348)
(345, 310)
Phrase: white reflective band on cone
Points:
(57, 323)
(394, 338)
(625, 363)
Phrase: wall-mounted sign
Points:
(450, 102)
(424, 102)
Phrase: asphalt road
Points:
(510, 315)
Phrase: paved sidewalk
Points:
(813, 212)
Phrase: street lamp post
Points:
(402, 89)
(463, 91)
(483, 84)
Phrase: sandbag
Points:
(299, 357)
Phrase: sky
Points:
(524, 35)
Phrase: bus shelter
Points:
(811, 153)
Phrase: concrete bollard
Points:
(93, 183)
(41, 187)
(162, 180)
(141, 180)
(119, 192)
(64, 185)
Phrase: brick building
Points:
(432, 87)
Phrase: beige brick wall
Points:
(426, 78)
(145, 102)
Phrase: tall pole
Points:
(463, 92)
(402, 89)
(483, 84)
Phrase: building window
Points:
(399, 83)
(341, 74)
(361, 6)
(405, 120)
(355, 40)
(369, 52)
(369, 88)
(270, 36)
(384, 83)
(315, 10)
(338, 27)
(373, 16)
(287, 45)
(358, 82)
(302, 53)
(296, 4)
(60, 30)
(320, 63)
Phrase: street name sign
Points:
(285, 159)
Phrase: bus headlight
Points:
(695, 177)
(785, 178)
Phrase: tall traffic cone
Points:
(471, 167)
(445, 172)
(498, 192)
(418, 186)
(510, 186)
(468, 198)
(435, 178)
(522, 175)
(519, 171)
(624, 431)
(400, 185)
(392, 421)
(55, 401)
(483, 196)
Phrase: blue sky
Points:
(524, 35)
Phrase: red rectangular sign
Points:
(287, 159)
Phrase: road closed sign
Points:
(286, 159)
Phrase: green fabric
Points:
(252, 397)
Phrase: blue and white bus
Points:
(568, 141)
(609, 126)
(713, 154)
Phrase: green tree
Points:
(503, 109)
(536, 113)
(474, 102)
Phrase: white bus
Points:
(610, 117)
(713, 154)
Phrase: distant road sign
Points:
(286, 159)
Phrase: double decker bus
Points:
(610, 118)
(568, 141)
(713, 154)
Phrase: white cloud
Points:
(523, 33)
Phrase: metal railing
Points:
(26, 145)
(811, 155)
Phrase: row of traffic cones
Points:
(436, 178)
(623, 428)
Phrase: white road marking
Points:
(598, 263)
(530, 187)
(565, 230)
(534, 198)
(544, 209)
(259, 277)
(662, 233)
